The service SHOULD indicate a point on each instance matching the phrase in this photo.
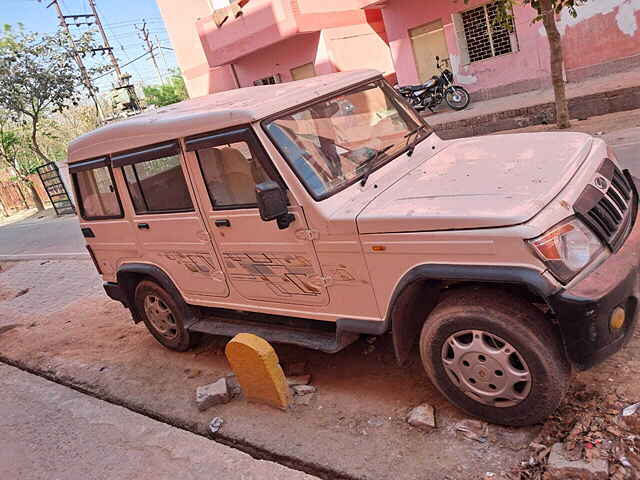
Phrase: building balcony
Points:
(250, 25)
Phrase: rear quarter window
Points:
(98, 198)
(158, 185)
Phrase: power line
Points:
(78, 59)
(124, 65)
(124, 80)
(144, 35)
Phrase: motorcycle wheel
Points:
(457, 98)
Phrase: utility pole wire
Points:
(78, 59)
(124, 80)
(144, 35)
(124, 65)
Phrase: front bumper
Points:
(584, 310)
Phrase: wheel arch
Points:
(130, 274)
(408, 309)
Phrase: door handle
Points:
(224, 222)
(144, 226)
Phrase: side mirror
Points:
(272, 203)
(437, 58)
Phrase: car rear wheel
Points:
(163, 316)
(494, 356)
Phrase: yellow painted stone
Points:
(256, 365)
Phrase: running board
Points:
(328, 341)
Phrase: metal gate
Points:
(57, 192)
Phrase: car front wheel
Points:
(494, 356)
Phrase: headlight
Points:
(567, 248)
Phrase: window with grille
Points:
(484, 37)
(272, 80)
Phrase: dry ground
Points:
(353, 428)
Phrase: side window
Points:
(155, 179)
(97, 194)
(231, 173)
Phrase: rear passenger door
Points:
(262, 262)
(108, 234)
(170, 232)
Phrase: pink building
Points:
(222, 46)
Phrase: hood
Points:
(492, 181)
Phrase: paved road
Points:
(46, 235)
(626, 144)
(50, 431)
(62, 235)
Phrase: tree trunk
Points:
(24, 200)
(36, 198)
(34, 140)
(557, 76)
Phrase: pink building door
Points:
(261, 261)
(428, 41)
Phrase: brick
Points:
(256, 365)
(212, 394)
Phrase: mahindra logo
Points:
(601, 183)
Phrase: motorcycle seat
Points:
(413, 88)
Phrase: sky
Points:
(119, 17)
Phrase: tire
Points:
(457, 98)
(164, 316)
(524, 374)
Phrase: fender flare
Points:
(405, 321)
(127, 283)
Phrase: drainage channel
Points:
(257, 453)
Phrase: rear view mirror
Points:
(272, 203)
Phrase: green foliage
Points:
(38, 78)
(173, 92)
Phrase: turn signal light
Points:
(378, 248)
(617, 318)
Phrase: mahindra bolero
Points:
(316, 211)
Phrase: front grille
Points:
(609, 211)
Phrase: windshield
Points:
(333, 143)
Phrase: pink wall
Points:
(180, 18)
(262, 23)
(605, 30)
(530, 62)
(279, 58)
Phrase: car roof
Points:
(209, 113)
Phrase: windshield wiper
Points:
(369, 162)
(411, 144)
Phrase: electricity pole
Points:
(78, 59)
(144, 35)
(124, 80)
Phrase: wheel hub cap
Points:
(486, 368)
(160, 316)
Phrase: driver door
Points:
(261, 261)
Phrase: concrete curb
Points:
(582, 107)
(44, 256)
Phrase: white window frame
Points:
(458, 27)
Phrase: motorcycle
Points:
(431, 93)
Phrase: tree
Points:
(38, 78)
(547, 11)
(173, 92)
